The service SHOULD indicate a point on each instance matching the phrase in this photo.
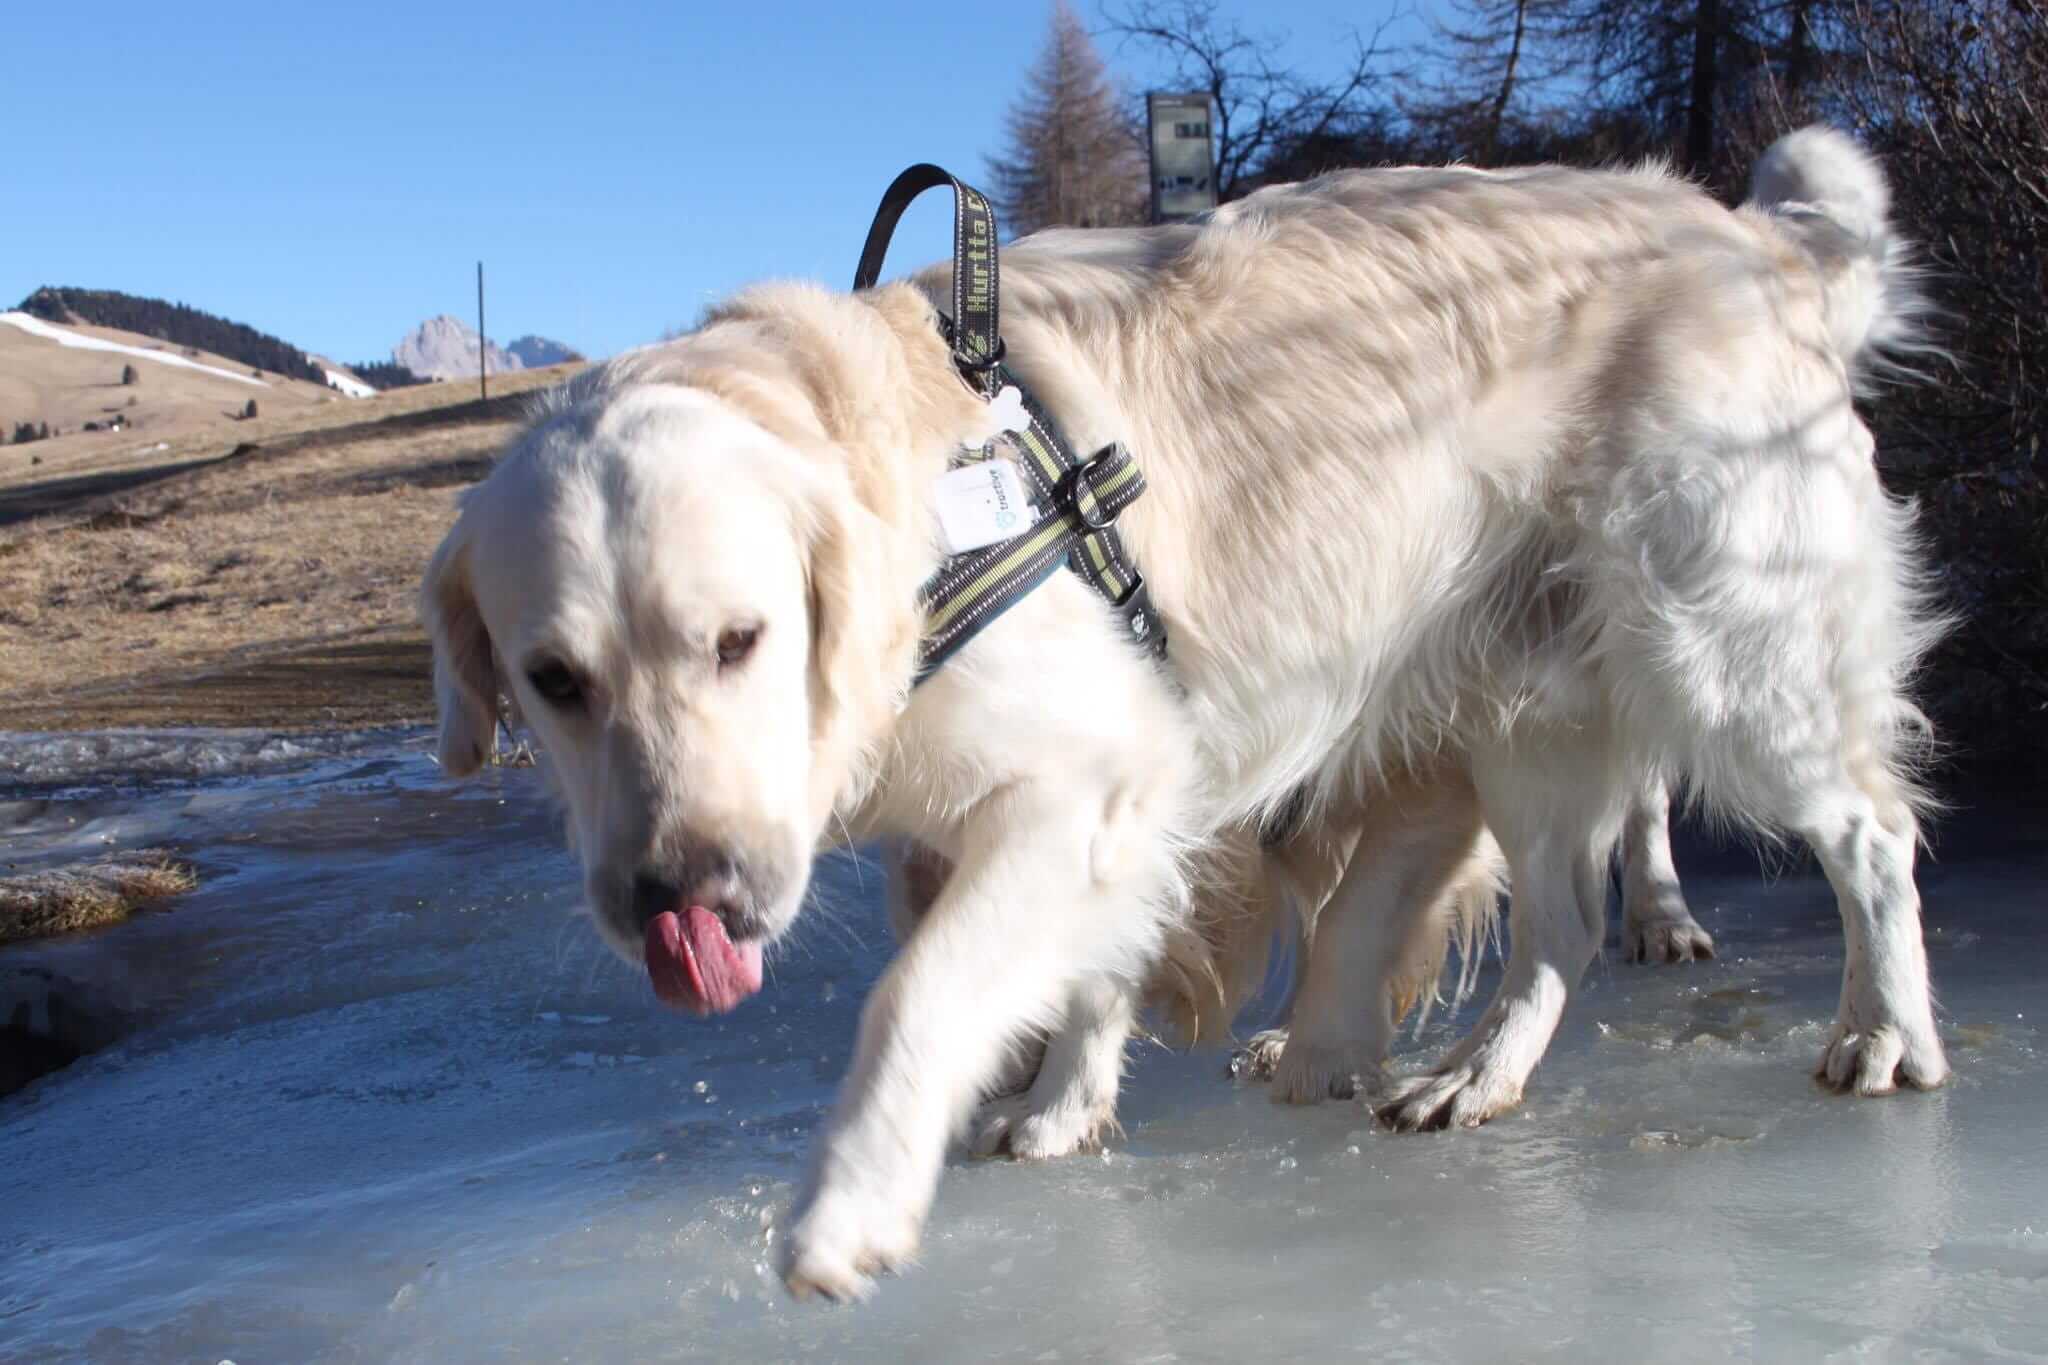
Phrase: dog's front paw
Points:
(1462, 1096)
(1309, 1073)
(1033, 1132)
(839, 1240)
(1257, 1058)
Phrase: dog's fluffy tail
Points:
(1831, 196)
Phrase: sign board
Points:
(1183, 157)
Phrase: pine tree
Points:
(1074, 157)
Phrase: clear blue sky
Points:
(332, 172)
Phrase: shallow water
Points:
(386, 1099)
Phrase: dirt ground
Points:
(264, 579)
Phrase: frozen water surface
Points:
(386, 1099)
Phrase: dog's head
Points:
(696, 617)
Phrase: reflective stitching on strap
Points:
(1081, 498)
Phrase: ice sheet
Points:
(388, 1100)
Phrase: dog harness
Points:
(1077, 500)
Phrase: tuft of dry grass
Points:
(104, 891)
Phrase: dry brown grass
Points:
(205, 433)
(272, 587)
(64, 387)
(104, 891)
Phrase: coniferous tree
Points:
(1074, 158)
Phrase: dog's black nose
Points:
(699, 876)
(651, 896)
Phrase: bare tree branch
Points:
(1259, 108)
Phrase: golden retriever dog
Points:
(1479, 502)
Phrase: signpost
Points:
(1183, 156)
(483, 347)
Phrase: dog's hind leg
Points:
(1762, 612)
(1301, 872)
(1419, 869)
(1551, 805)
(1656, 924)
(1828, 771)
(1884, 1029)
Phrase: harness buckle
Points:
(962, 360)
(1076, 489)
(1142, 619)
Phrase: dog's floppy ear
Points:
(862, 642)
(465, 674)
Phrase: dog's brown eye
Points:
(735, 643)
(556, 684)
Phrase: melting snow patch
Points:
(78, 341)
(349, 386)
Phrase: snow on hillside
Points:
(63, 336)
(349, 385)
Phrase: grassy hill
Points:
(262, 575)
(177, 323)
(136, 390)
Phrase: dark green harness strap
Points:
(1045, 459)
(973, 589)
(976, 336)
(1078, 500)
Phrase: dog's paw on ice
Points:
(1462, 1096)
(1665, 934)
(1877, 1060)
(1257, 1058)
(1037, 1131)
(1309, 1073)
(841, 1240)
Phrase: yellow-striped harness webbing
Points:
(1078, 500)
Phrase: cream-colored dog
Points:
(1478, 502)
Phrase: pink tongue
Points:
(693, 965)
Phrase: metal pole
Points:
(483, 347)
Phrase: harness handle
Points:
(977, 337)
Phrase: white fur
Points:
(1547, 480)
